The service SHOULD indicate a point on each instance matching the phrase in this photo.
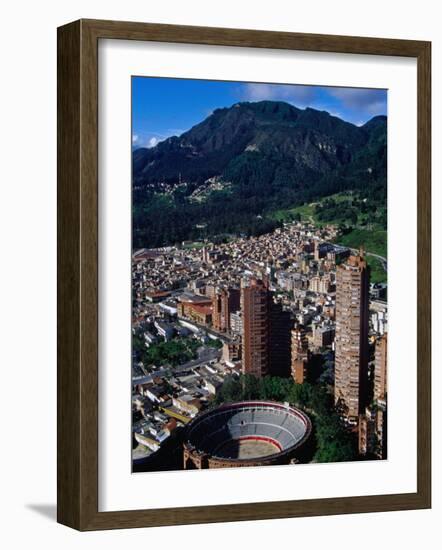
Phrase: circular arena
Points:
(248, 433)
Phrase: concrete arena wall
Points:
(193, 459)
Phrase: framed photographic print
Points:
(244, 275)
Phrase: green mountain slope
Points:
(231, 171)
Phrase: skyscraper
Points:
(255, 329)
(299, 354)
(265, 332)
(380, 369)
(225, 302)
(351, 343)
(279, 340)
(372, 432)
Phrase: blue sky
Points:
(164, 107)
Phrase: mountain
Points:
(262, 156)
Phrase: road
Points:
(205, 355)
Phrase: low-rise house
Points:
(188, 404)
(165, 330)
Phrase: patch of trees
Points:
(338, 211)
(360, 209)
(174, 352)
(217, 344)
(159, 221)
(247, 208)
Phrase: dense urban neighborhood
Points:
(286, 316)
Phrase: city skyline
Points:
(247, 347)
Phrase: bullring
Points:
(247, 433)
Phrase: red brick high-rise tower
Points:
(351, 343)
(299, 354)
(380, 369)
(255, 330)
(265, 332)
(225, 302)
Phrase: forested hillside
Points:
(233, 171)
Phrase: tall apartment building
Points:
(316, 253)
(372, 432)
(314, 284)
(299, 354)
(380, 369)
(265, 332)
(255, 328)
(225, 302)
(323, 336)
(279, 340)
(351, 341)
(236, 322)
(231, 351)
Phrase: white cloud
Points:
(135, 138)
(376, 107)
(174, 131)
(298, 95)
(152, 142)
(371, 100)
(335, 113)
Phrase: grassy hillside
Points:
(345, 208)
(377, 272)
(374, 241)
(305, 212)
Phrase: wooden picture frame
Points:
(78, 274)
